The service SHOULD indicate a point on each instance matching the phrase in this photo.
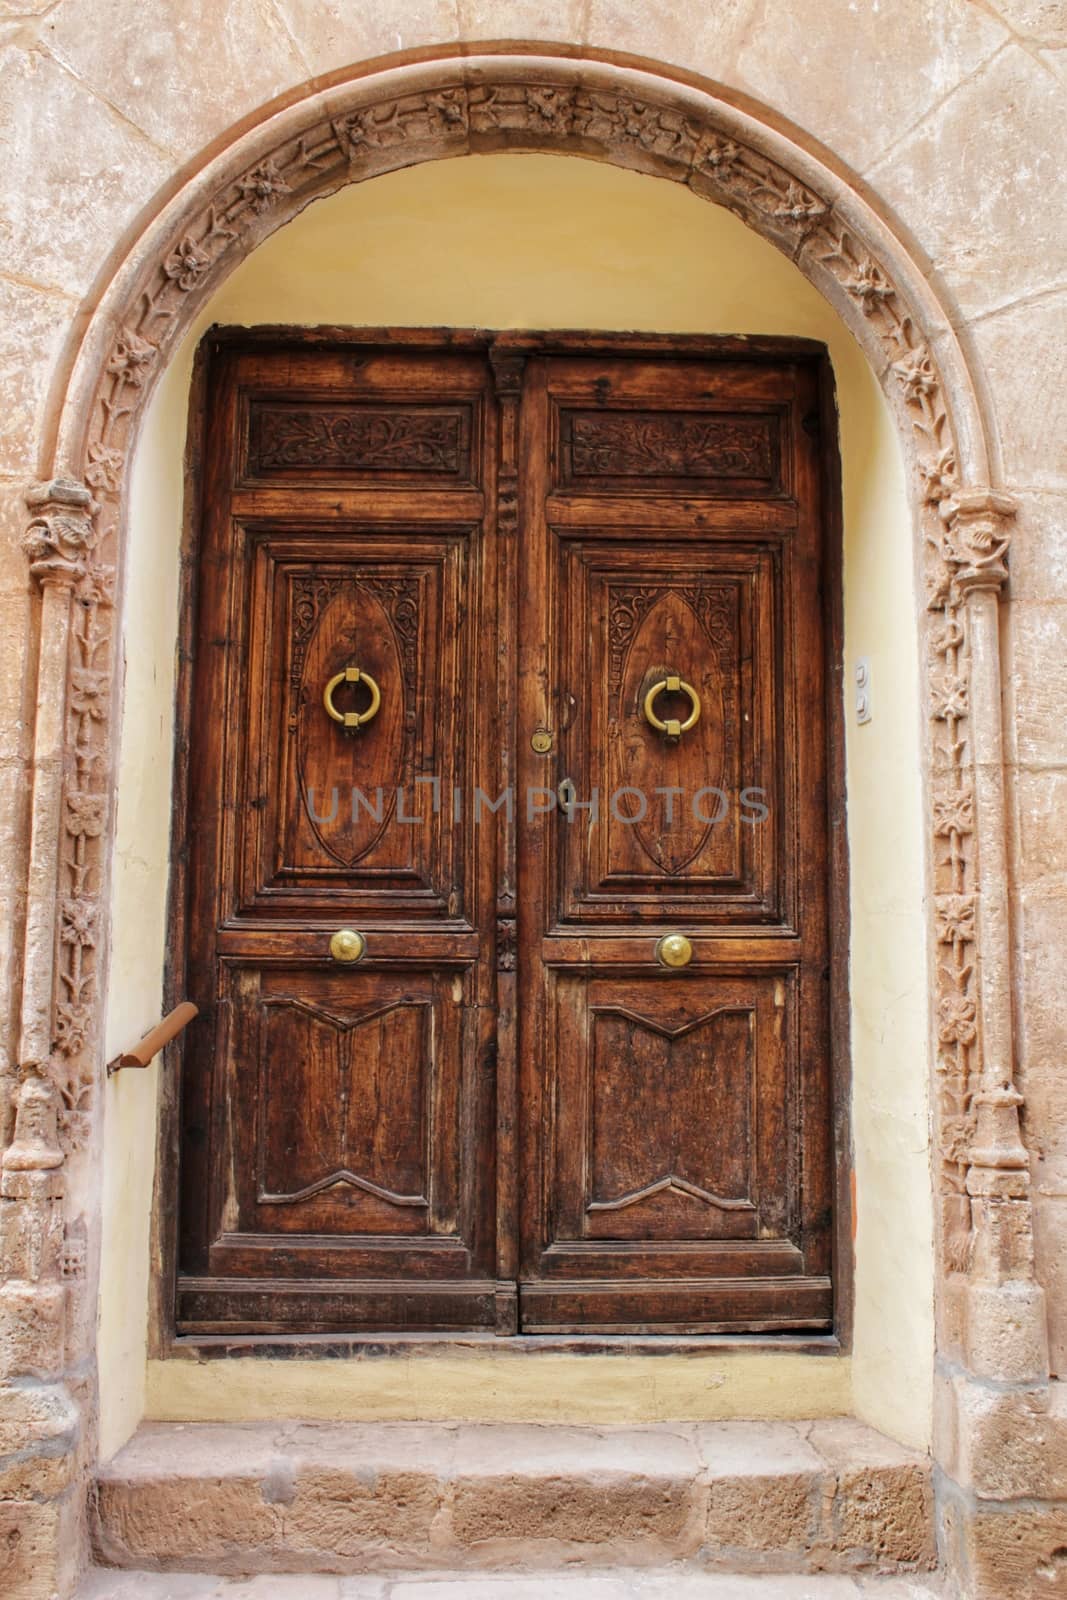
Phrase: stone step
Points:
(739, 1497)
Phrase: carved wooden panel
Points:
(394, 443)
(333, 814)
(342, 1102)
(673, 1115)
(344, 1089)
(689, 823)
(709, 452)
(350, 821)
(658, 1087)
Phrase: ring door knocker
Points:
(671, 727)
(352, 721)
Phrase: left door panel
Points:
(337, 1152)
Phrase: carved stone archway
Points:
(991, 1318)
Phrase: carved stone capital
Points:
(999, 1162)
(977, 536)
(62, 535)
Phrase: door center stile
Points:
(507, 368)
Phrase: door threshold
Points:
(325, 1346)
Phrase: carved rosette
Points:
(964, 528)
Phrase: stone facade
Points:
(907, 161)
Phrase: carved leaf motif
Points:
(957, 1134)
(869, 285)
(915, 374)
(423, 116)
(655, 128)
(400, 598)
(357, 439)
(946, 636)
(718, 155)
(131, 357)
(517, 105)
(262, 186)
(74, 1081)
(948, 697)
(506, 944)
(953, 812)
(73, 1025)
(104, 471)
(549, 106)
(938, 475)
(798, 204)
(85, 815)
(448, 110)
(957, 1018)
(955, 918)
(79, 922)
(639, 445)
(627, 605)
(187, 264)
(88, 692)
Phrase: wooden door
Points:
(677, 1119)
(507, 1113)
(337, 1153)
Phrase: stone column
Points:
(42, 1437)
(998, 1435)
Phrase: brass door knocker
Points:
(352, 720)
(672, 684)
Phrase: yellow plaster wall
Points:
(139, 892)
(497, 1385)
(525, 242)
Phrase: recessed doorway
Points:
(508, 821)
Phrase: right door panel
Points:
(677, 1118)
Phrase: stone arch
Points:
(644, 118)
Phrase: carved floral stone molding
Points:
(70, 545)
(965, 526)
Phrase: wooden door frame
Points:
(163, 1341)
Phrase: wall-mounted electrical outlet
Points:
(863, 690)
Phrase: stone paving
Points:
(663, 1583)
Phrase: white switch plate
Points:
(863, 690)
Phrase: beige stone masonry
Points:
(736, 1497)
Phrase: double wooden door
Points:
(507, 891)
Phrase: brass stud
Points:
(674, 950)
(347, 945)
